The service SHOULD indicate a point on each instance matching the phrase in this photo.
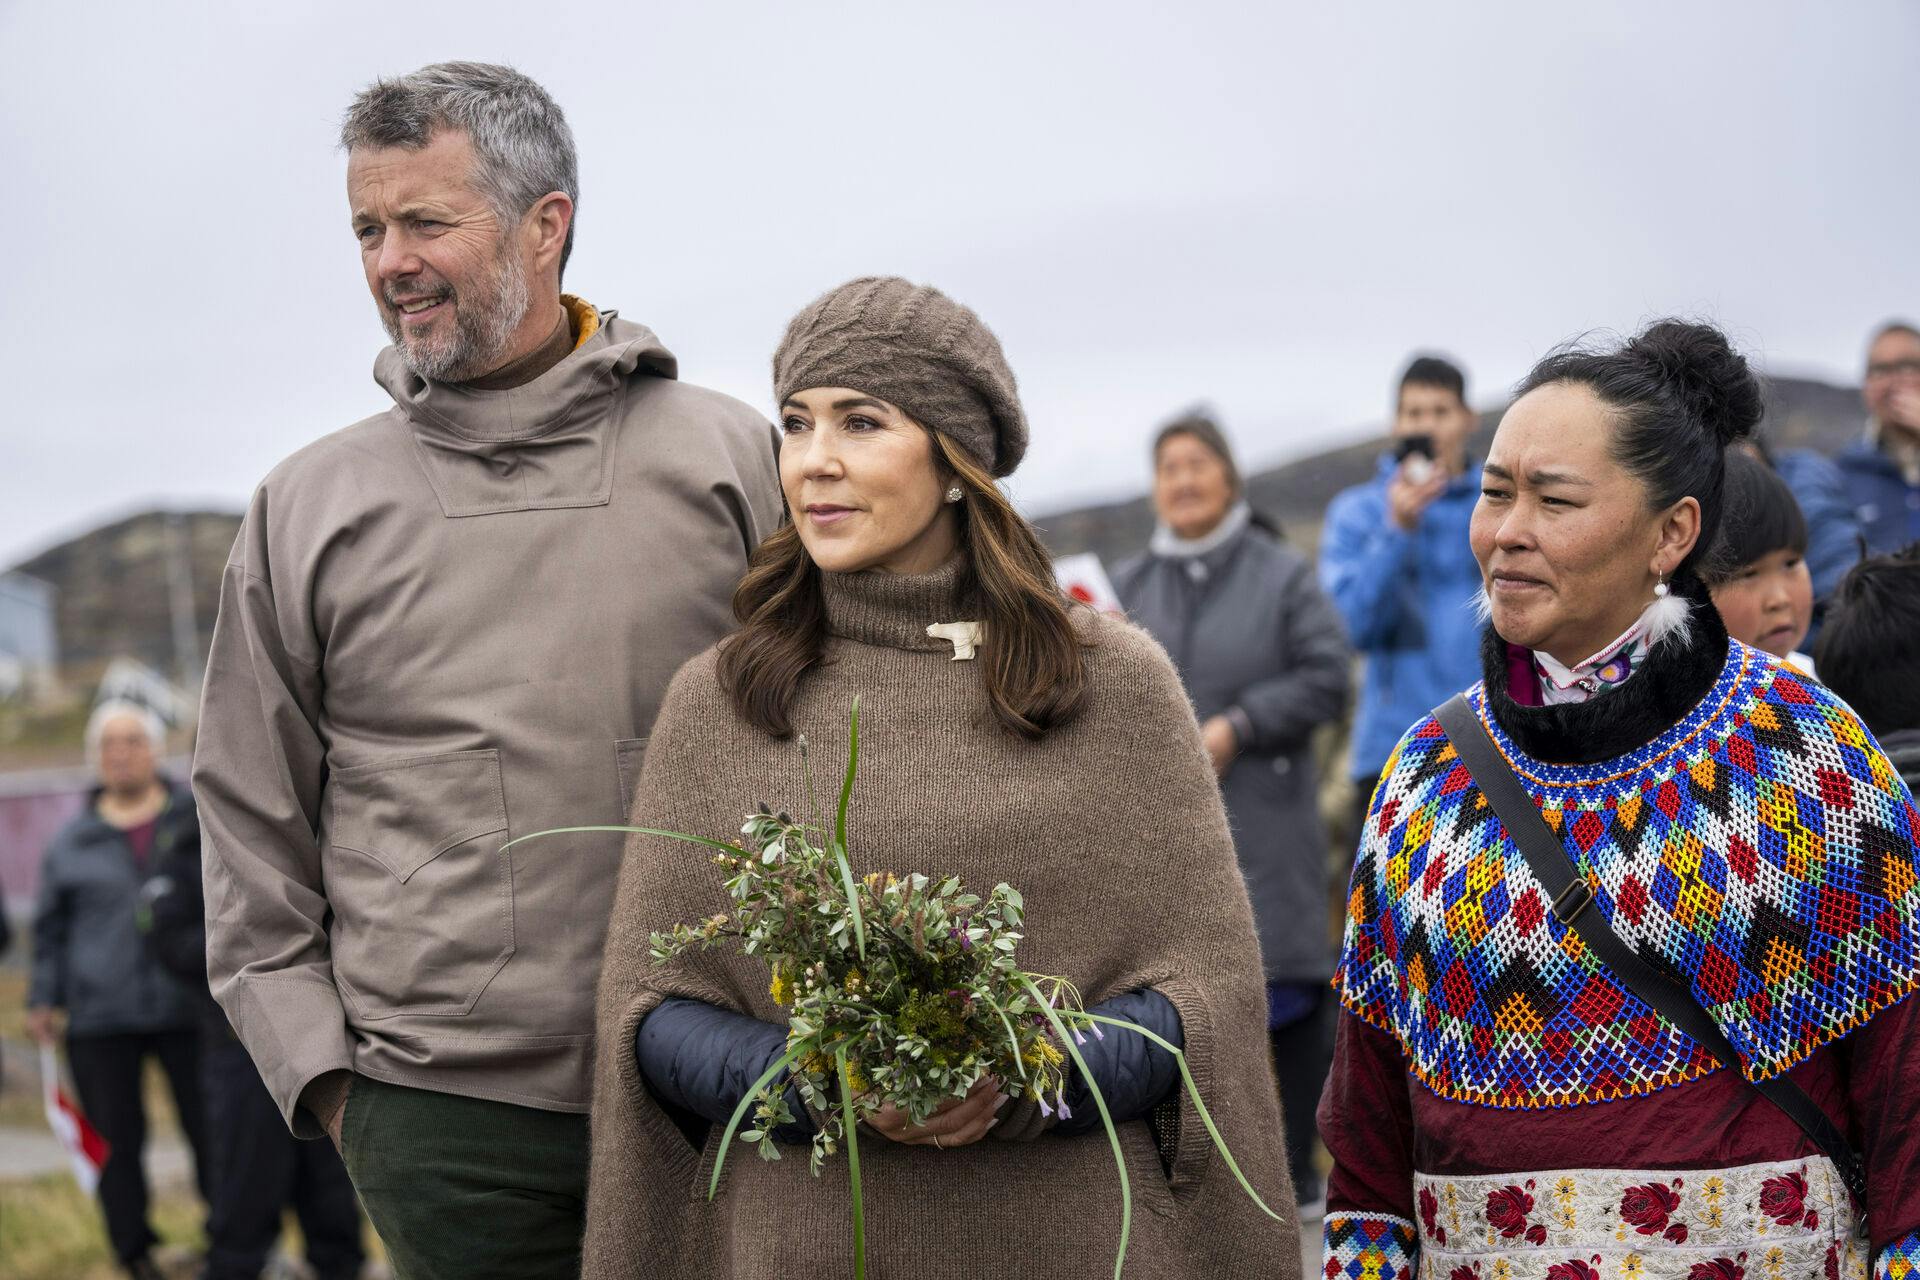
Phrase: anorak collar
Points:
(547, 444)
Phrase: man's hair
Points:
(1433, 371)
(1893, 326)
(521, 142)
(1867, 653)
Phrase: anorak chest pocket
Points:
(421, 890)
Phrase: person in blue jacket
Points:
(1394, 560)
(1866, 500)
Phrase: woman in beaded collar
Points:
(1500, 1103)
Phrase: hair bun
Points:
(1705, 374)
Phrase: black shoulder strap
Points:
(1572, 895)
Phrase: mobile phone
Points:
(1415, 455)
(1405, 447)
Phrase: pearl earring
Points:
(954, 494)
(1660, 588)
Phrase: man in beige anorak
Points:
(444, 627)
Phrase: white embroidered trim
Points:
(1777, 1221)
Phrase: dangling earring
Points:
(954, 494)
(1668, 617)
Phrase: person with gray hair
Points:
(445, 626)
(90, 964)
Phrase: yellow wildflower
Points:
(1041, 1055)
(782, 988)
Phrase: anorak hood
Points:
(539, 446)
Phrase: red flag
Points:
(85, 1147)
(1083, 578)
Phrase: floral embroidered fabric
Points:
(1760, 850)
(1604, 670)
(1784, 1221)
(1368, 1247)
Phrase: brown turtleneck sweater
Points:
(1112, 829)
(518, 373)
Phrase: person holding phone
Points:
(1395, 561)
(1865, 500)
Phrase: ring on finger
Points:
(936, 1143)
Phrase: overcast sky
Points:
(1260, 205)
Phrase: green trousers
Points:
(467, 1188)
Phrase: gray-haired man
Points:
(443, 627)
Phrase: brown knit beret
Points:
(915, 347)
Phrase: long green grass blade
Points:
(1199, 1104)
(787, 1059)
(641, 831)
(840, 833)
(851, 1125)
(846, 784)
(1106, 1118)
(1013, 1042)
(853, 902)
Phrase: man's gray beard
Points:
(482, 328)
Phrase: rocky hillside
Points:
(1801, 414)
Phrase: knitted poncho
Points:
(1112, 829)
(1760, 850)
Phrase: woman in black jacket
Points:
(1266, 662)
(91, 968)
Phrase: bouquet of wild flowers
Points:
(912, 983)
(899, 989)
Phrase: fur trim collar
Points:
(1675, 676)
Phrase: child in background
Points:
(1758, 571)
(1870, 652)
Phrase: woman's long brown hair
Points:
(1033, 664)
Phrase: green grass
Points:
(13, 995)
(50, 1231)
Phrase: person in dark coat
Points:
(89, 962)
(256, 1167)
(1265, 659)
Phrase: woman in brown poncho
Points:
(1003, 738)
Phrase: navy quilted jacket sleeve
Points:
(700, 1060)
(1134, 1075)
